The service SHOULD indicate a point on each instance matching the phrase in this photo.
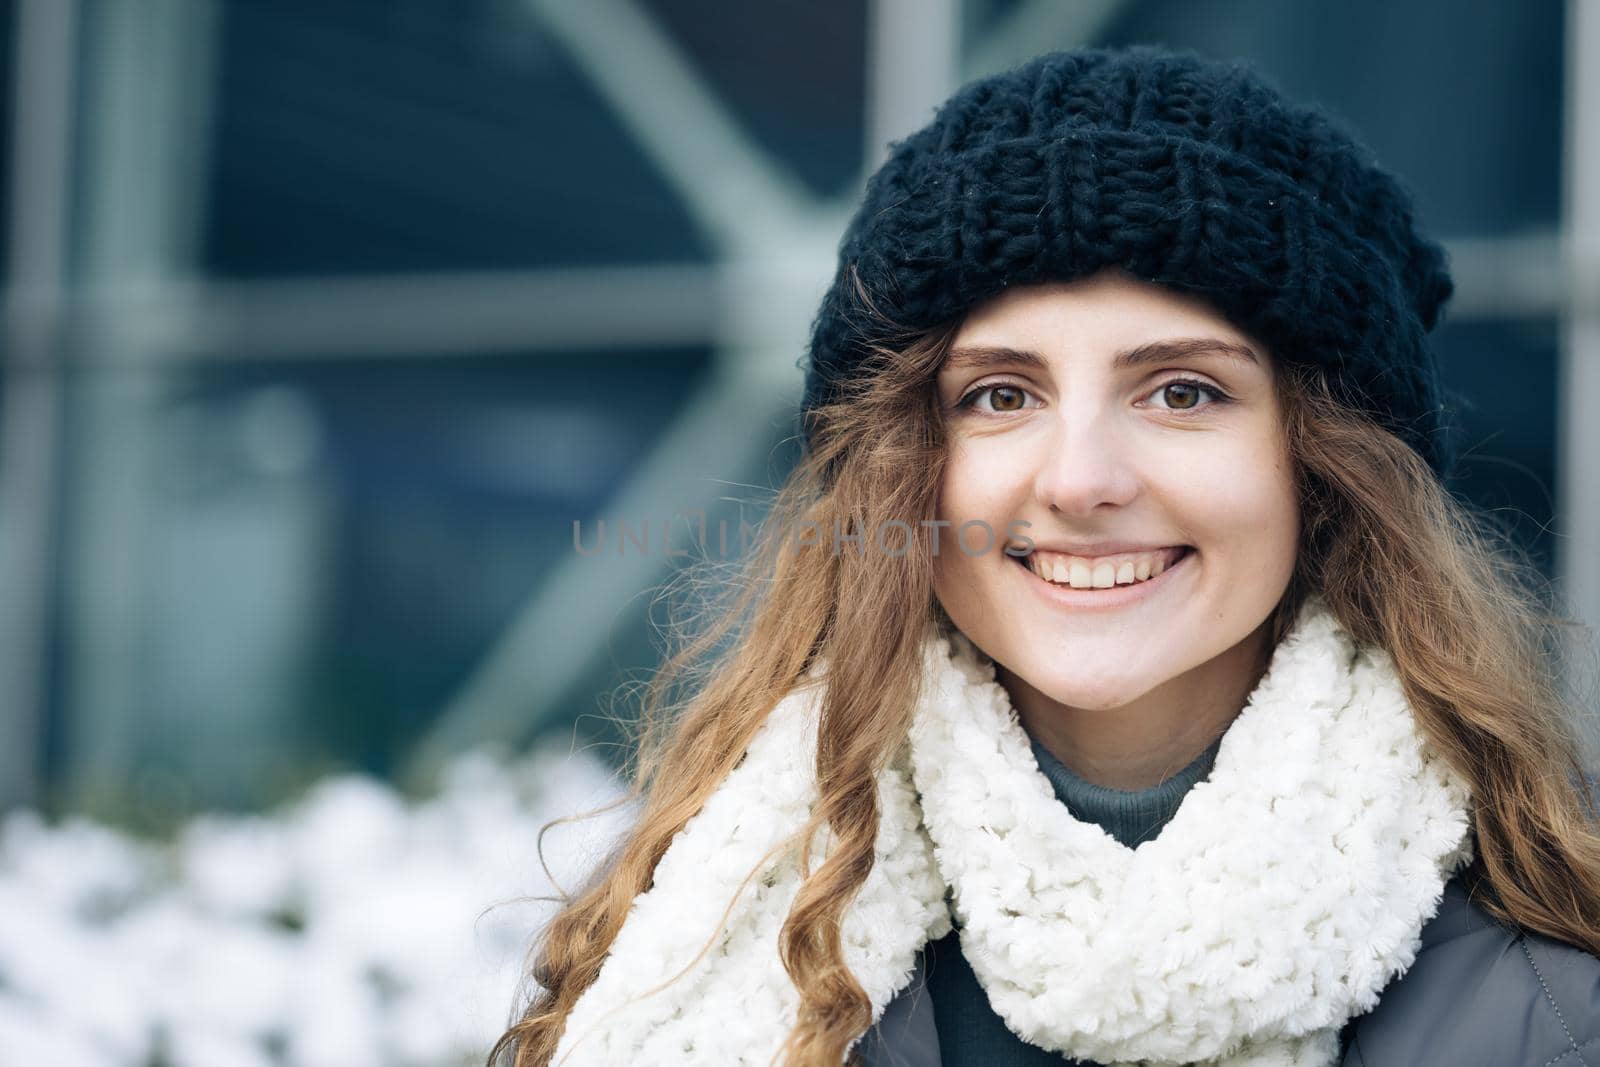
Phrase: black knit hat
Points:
(1191, 173)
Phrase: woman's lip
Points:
(1115, 596)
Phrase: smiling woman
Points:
(1241, 747)
(1101, 465)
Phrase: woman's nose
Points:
(1084, 464)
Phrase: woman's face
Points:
(1130, 427)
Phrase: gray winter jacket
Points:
(1478, 995)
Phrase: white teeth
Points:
(1080, 574)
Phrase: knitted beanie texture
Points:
(1191, 173)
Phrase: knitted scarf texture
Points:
(1288, 890)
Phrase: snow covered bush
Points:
(349, 929)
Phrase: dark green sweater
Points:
(970, 1033)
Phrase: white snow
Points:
(350, 928)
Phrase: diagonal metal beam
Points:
(736, 192)
(527, 679)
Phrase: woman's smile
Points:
(1068, 594)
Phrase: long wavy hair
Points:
(1440, 584)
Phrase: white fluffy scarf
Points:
(1290, 887)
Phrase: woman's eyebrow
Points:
(973, 357)
(978, 356)
(1179, 348)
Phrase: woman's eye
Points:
(1182, 394)
(1003, 398)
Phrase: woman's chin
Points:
(1084, 694)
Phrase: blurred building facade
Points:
(324, 322)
